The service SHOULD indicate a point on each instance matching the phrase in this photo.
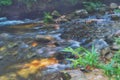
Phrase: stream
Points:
(26, 43)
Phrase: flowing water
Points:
(21, 52)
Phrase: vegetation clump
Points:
(85, 58)
(48, 18)
(91, 59)
(5, 2)
(92, 5)
(116, 11)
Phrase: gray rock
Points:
(1, 57)
(115, 47)
(48, 51)
(2, 43)
(115, 17)
(6, 36)
(44, 38)
(75, 74)
(82, 13)
(57, 67)
(56, 76)
(105, 51)
(55, 14)
(73, 43)
(113, 5)
(57, 37)
(109, 56)
(117, 33)
(9, 23)
(100, 44)
(23, 45)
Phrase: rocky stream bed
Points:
(32, 50)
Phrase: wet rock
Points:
(100, 44)
(2, 43)
(115, 17)
(44, 38)
(105, 51)
(109, 39)
(9, 23)
(115, 47)
(96, 74)
(117, 33)
(73, 43)
(6, 36)
(57, 37)
(56, 76)
(61, 19)
(3, 19)
(55, 14)
(3, 49)
(77, 31)
(1, 57)
(82, 13)
(109, 56)
(12, 45)
(23, 45)
(113, 5)
(48, 51)
(61, 56)
(75, 74)
(56, 67)
(103, 48)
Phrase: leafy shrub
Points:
(48, 18)
(86, 58)
(112, 69)
(5, 2)
(117, 11)
(117, 41)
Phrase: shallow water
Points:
(18, 45)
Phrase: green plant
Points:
(85, 58)
(116, 11)
(112, 69)
(47, 18)
(116, 59)
(108, 68)
(5, 2)
(92, 6)
(117, 41)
